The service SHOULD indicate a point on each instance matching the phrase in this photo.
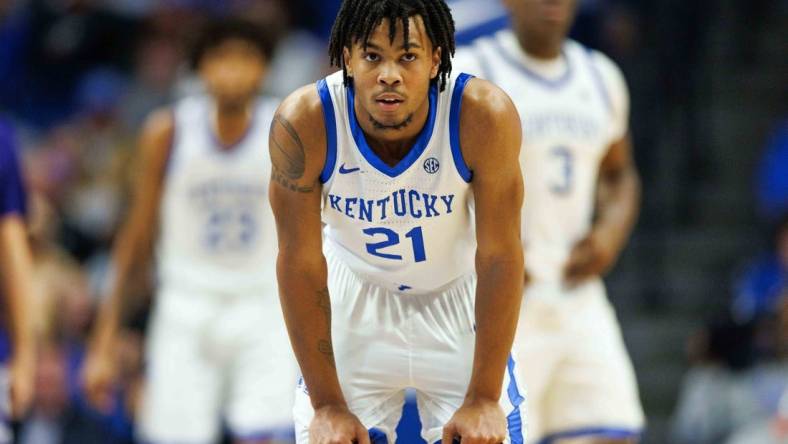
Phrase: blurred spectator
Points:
(765, 281)
(156, 63)
(63, 312)
(51, 400)
(772, 426)
(93, 205)
(59, 418)
(739, 366)
(69, 37)
(14, 39)
(300, 57)
(726, 389)
(772, 175)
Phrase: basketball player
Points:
(583, 193)
(17, 356)
(217, 348)
(414, 173)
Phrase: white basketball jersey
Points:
(571, 110)
(217, 229)
(407, 227)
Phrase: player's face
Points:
(546, 19)
(232, 72)
(391, 82)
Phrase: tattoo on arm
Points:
(325, 346)
(288, 156)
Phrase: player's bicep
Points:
(498, 194)
(297, 152)
(493, 135)
(153, 152)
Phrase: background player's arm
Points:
(617, 203)
(297, 143)
(16, 273)
(490, 138)
(132, 250)
(618, 188)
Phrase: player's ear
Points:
(436, 62)
(346, 60)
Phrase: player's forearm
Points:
(307, 311)
(131, 254)
(17, 270)
(618, 206)
(498, 296)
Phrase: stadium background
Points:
(697, 290)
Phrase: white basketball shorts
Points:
(214, 360)
(574, 363)
(385, 342)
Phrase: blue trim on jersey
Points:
(514, 419)
(331, 130)
(602, 432)
(489, 27)
(415, 151)
(600, 85)
(454, 127)
(544, 81)
(376, 436)
(231, 148)
(265, 434)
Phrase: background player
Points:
(396, 151)
(583, 193)
(217, 346)
(17, 347)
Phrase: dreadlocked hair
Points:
(357, 19)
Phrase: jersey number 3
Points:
(415, 235)
(564, 185)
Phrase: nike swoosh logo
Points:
(343, 170)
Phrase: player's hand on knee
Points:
(479, 421)
(98, 377)
(336, 425)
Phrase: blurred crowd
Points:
(736, 390)
(77, 78)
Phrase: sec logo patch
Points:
(432, 165)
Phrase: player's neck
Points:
(392, 145)
(231, 123)
(541, 48)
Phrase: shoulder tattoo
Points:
(288, 156)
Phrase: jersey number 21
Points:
(415, 235)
